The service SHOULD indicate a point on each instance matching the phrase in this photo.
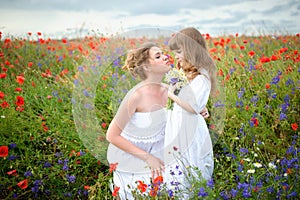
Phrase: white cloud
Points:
(215, 17)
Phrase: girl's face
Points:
(158, 60)
(179, 57)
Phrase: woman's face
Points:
(159, 61)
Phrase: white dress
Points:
(145, 130)
(187, 138)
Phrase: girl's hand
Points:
(204, 113)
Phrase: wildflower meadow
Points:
(57, 98)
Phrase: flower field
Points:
(57, 98)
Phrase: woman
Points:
(136, 133)
(187, 140)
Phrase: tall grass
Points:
(58, 97)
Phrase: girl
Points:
(188, 144)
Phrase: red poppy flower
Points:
(268, 86)
(23, 184)
(4, 69)
(12, 172)
(20, 79)
(3, 151)
(142, 186)
(18, 89)
(103, 125)
(20, 101)
(2, 75)
(30, 64)
(86, 187)
(112, 167)
(294, 126)
(2, 95)
(251, 53)
(4, 104)
(158, 180)
(153, 192)
(20, 108)
(115, 192)
(255, 121)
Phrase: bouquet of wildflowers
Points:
(176, 78)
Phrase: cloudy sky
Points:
(65, 17)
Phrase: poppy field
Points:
(57, 98)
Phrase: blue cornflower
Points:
(38, 182)
(202, 193)
(246, 193)
(270, 189)
(28, 173)
(58, 154)
(12, 157)
(231, 70)
(81, 153)
(290, 150)
(244, 150)
(233, 192)
(289, 82)
(170, 193)
(76, 82)
(282, 116)
(60, 161)
(173, 81)
(71, 178)
(55, 93)
(242, 185)
(86, 93)
(80, 68)
(47, 192)
(12, 146)
(241, 93)
(284, 107)
(210, 183)
(224, 195)
(35, 189)
(68, 194)
(239, 104)
(88, 106)
(286, 99)
(219, 104)
(275, 80)
(85, 192)
(292, 194)
(47, 165)
(65, 167)
(254, 100)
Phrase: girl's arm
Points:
(186, 106)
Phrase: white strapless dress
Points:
(145, 130)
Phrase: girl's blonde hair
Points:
(191, 42)
(137, 59)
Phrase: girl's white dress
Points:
(145, 130)
(187, 139)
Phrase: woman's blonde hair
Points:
(137, 59)
(191, 42)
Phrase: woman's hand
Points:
(156, 165)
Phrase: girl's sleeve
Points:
(198, 93)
